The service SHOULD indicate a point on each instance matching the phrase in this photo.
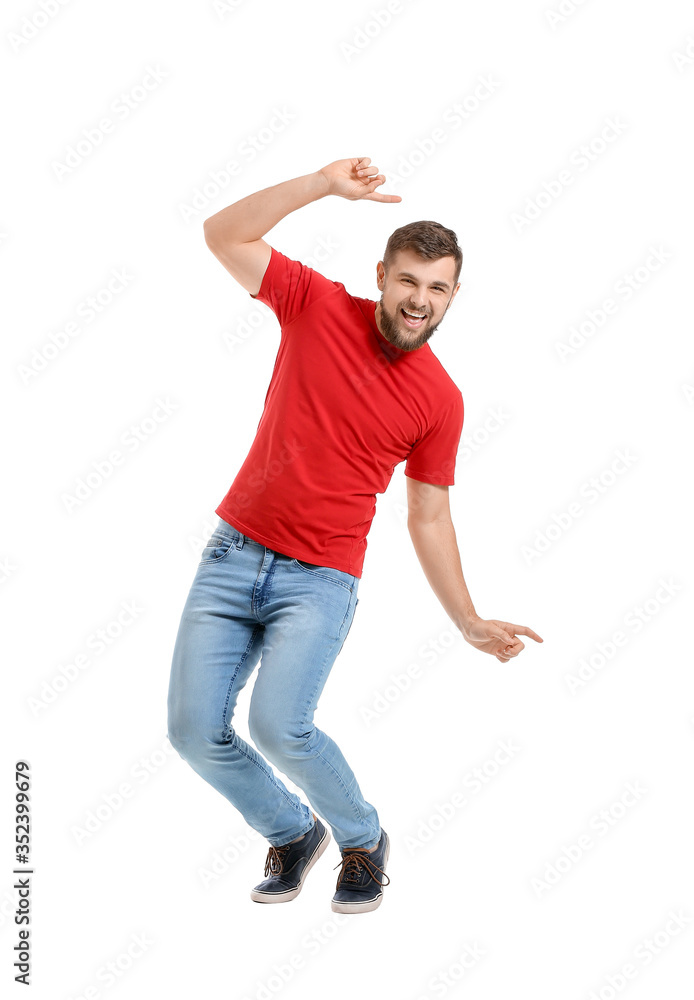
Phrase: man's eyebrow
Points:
(406, 274)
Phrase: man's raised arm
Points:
(234, 235)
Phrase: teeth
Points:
(413, 315)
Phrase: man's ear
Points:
(380, 275)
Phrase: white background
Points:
(502, 877)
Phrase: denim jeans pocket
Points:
(217, 548)
(337, 576)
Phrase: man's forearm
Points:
(437, 550)
(252, 217)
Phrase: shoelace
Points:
(274, 863)
(352, 864)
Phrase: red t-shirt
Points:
(343, 408)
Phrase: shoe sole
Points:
(371, 904)
(285, 897)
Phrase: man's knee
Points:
(277, 739)
(190, 740)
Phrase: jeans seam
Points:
(226, 725)
(318, 753)
(348, 795)
(259, 764)
(343, 637)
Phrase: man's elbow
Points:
(209, 232)
(417, 519)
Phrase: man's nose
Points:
(419, 302)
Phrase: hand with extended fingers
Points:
(356, 179)
(498, 638)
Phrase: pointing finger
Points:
(373, 195)
(524, 630)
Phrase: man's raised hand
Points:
(356, 179)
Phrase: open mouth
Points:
(412, 319)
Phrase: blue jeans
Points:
(245, 600)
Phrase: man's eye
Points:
(408, 281)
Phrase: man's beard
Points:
(410, 341)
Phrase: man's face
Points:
(414, 285)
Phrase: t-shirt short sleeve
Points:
(432, 458)
(289, 287)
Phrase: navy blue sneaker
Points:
(360, 880)
(288, 866)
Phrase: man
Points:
(355, 390)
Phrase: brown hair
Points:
(428, 239)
